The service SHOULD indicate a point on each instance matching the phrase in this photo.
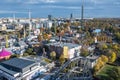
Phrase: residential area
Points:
(50, 44)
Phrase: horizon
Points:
(60, 8)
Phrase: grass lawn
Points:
(102, 74)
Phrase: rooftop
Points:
(18, 63)
(62, 44)
(93, 57)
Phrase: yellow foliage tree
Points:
(104, 58)
(115, 47)
(62, 59)
(53, 55)
(104, 46)
(96, 68)
(113, 57)
(99, 64)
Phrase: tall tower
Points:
(30, 25)
(13, 17)
(49, 17)
(55, 27)
(82, 14)
(71, 16)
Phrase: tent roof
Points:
(4, 53)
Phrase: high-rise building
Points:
(49, 17)
(71, 16)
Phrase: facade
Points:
(92, 60)
(3, 27)
(69, 50)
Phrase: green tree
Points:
(114, 73)
(84, 52)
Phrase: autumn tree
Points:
(112, 57)
(84, 52)
(115, 47)
(117, 35)
(104, 58)
(40, 38)
(53, 55)
(99, 64)
(62, 59)
(104, 46)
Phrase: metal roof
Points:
(18, 63)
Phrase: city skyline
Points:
(60, 8)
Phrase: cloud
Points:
(39, 1)
(65, 7)
(2, 11)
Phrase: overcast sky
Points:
(60, 8)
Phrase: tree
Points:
(96, 68)
(114, 73)
(53, 55)
(40, 38)
(47, 36)
(112, 57)
(104, 58)
(115, 47)
(100, 62)
(98, 65)
(117, 35)
(62, 59)
(84, 52)
(104, 46)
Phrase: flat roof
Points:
(18, 63)
(93, 58)
(62, 44)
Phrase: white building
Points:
(92, 60)
(69, 50)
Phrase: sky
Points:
(60, 8)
